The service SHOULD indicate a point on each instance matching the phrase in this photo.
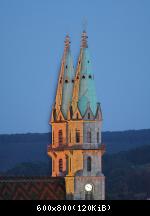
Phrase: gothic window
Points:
(60, 165)
(89, 138)
(77, 136)
(66, 66)
(77, 116)
(54, 114)
(89, 164)
(72, 81)
(97, 137)
(66, 81)
(83, 77)
(53, 165)
(67, 165)
(53, 137)
(70, 164)
(71, 111)
(90, 77)
(88, 115)
(70, 136)
(60, 137)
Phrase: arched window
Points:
(60, 137)
(60, 165)
(54, 114)
(97, 137)
(77, 136)
(70, 164)
(67, 165)
(89, 161)
(89, 139)
(77, 116)
(89, 116)
(53, 165)
(70, 136)
(53, 138)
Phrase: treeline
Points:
(115, 141)
(128, 174)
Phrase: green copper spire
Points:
(87, 93)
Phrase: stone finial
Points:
(84, 40)
(67, 41)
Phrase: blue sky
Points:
(31, 45)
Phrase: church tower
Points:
(76, 148)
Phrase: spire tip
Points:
(67, 41)
(84, 39)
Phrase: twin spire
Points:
(75, 89)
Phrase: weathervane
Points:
(84, 24)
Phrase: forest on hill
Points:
(127, 173)
(31, 147)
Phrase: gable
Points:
(77, 114)
(88, 114)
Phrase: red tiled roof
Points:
(32, 188)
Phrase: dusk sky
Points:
(32, 36)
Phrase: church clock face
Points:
(88, 187)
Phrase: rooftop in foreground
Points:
(32, 188)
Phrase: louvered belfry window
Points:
(60, 165)
(89, 138)
(77, 136)
(60, 137)
(89, 161)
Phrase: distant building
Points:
(76, 119)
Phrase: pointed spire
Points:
(65, 84)
(68, 79)
(84, 88)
